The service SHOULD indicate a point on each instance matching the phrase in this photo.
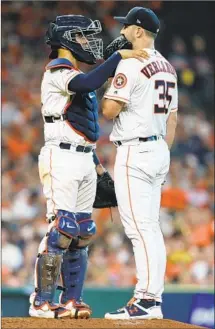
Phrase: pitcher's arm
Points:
(171, 127)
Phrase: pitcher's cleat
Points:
(79, 310)
(137, 309)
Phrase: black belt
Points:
(141, 139)
(79, 148)
(51, 119)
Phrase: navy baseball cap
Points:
(143, 17)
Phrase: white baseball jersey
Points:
(149, 91)
(55, 97)
(68, 177)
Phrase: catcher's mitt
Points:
(119, 43)
(105, 192)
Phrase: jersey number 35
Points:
(165, 97)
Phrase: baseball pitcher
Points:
(142, 100)
(67, 163)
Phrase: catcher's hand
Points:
(119, 43)
(105, 192)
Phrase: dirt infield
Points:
(33, 323)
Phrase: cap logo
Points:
(138, 21)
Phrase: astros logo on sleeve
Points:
(120, 81)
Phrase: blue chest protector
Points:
(82, 110)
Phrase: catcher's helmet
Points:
(64, 31)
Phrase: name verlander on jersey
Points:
(156, 67)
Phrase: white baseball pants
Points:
(68, 178)
(139, 173)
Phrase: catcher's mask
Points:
(65, 31)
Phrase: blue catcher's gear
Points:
(63, 33)
(87, 229)
(75, 259)
(49, 261)
(63, 232)
(82, 114)
(48, 267)
(73, 271)
(82, 111)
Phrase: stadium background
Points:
(187, 218)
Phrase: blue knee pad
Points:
(61, 235)
(87, 229)
(75, 259)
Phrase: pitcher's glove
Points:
(119, 43)
(105, 192)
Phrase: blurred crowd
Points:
(187, 210)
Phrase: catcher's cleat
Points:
(137, 309)
(47, 310)
(79, 310)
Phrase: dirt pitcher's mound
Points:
(34, 323)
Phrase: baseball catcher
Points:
(67, 163)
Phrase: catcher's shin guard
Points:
(73, 271)
(47, 270)
(74, 266)
(48, 264)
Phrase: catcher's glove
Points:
(119, 43)
(105, 192)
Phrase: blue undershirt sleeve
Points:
(95, 158)
(94, 79)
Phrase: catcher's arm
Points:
(99, 168)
